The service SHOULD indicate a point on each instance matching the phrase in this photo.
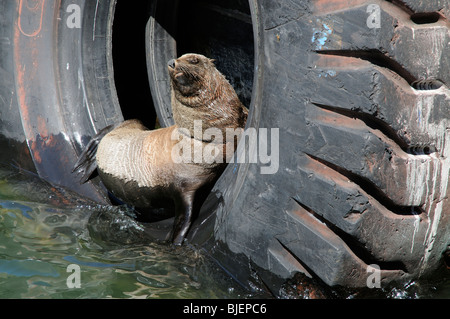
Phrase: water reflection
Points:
(41, 234)
(44, 229)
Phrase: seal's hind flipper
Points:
(87, 163)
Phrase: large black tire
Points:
(57, 85)
(363, 166)
(362, 110)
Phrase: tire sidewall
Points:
(63, 83)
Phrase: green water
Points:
(39, 240)
(46, 230)
(37, 245)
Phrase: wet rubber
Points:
(361, 103)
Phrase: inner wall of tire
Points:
(129, 60)
(219, 29)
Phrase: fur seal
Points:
(138, 165)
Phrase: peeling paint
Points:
(320, 37)
(327, 73)
(416, 230)
(429, 175)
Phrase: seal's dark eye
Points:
(193, 61)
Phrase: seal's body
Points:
(137, 166)
(158, 169)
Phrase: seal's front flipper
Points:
(86, 163)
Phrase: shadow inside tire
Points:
(221, 30)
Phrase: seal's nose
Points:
(172, 63)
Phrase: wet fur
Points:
(135, 164)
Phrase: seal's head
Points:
(191, 74)
(201, 92)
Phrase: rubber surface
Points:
(59, 84)
(363, 154)
(361, 103)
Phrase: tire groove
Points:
(401, 5)
(377, 58)
(296, 258)
(352, 243)
(370, 121)
(371, 189)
